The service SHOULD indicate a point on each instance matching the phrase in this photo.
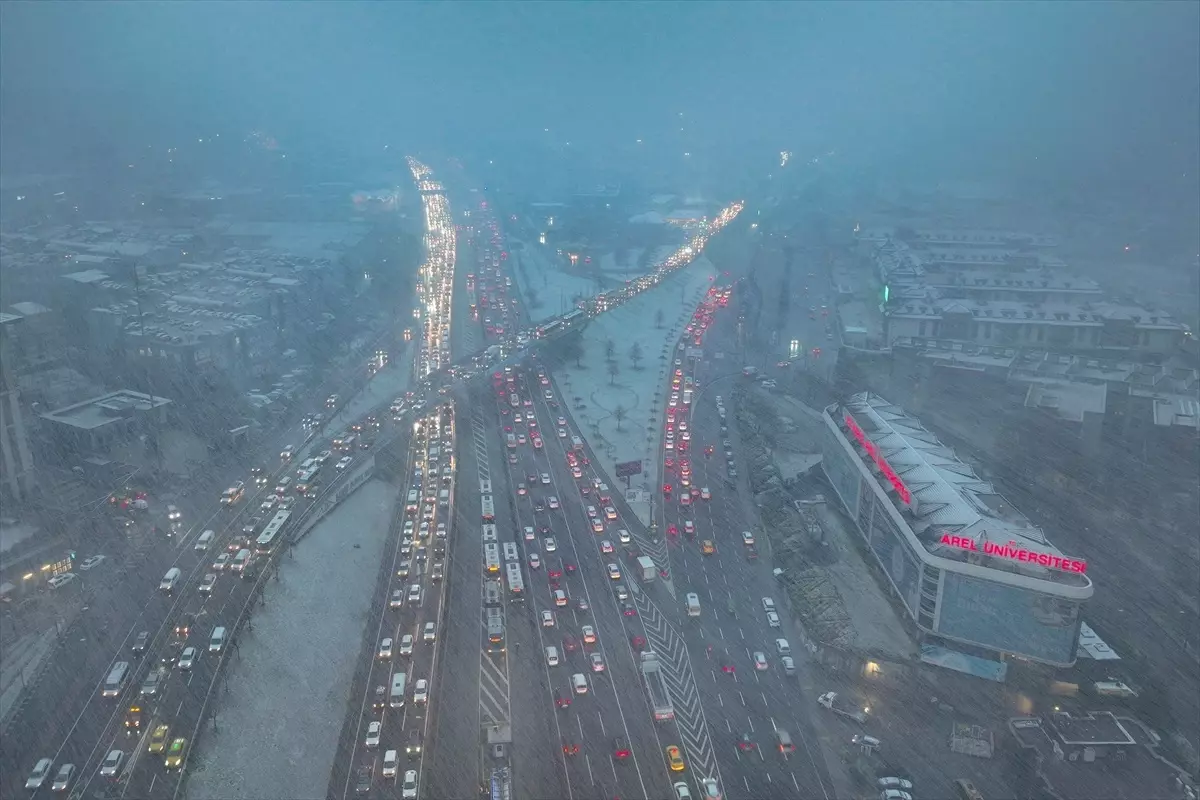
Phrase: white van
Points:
(169, 580)
(399, 685)
(576, 443)
(217, 642)
(444, 498)
(414, 498)
(782, 647)
(693, 604)
(552, 656)
(579, 683)
(284, 483)
(240, 561)
(205, 539)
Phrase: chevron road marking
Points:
(493, 693)
(685, 698)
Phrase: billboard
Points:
(627, 468)
(1008, 618)
(898, 561)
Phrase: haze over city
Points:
(599, 400)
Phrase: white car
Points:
(206, 586)
(606, 546)
(221, 561)
(429, 634)
(624, 536)
(61, 580)
(597, 661)
(610, 512)
(421, 692)
(344, 462)
(553, 502)
(112, 763)
(374, 729)
(529, 533)
(406, 644)
(614, 571)
(187, 659)
(591, 512)
(441, 530)
(894, 783)
(589, 634)
(768, 604)
(385, 648)
(550, 544)
(760, 660)
(710, 789)
(747, 538)
(597, 526)
(409, 790)
(90, 561)
(682, 792)
(705, 494)
(41, 771)
(772, 619)
(547, 618)
(268, 505)
(545, 479)
(535, 561)
(560, 598)
(562, 433)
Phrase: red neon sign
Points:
(1014, 552)
(873, 451)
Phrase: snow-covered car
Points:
(91, 561)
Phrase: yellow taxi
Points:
(707, 547)
(175, 753)
(158, 738)
(674, 759)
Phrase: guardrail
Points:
(324, 506)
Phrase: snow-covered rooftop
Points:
(947, 495)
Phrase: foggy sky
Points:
(1085, 89)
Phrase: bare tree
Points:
(613, 369)
(610, 347)
(658, 318)
(635, 355)
(619, 412)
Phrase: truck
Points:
(660, 701)
(831, 701)
(646, 568)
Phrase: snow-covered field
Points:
(594, 396)
(540, 279)
(279, 721)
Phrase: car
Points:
(529, 533)
(539, 507)
(441, 530)
(675, 758)
(547, 618)
(689, 528)
(589, 634)
(624, 536)
(374, 731)
(560, 598)
(747, 538)
(894, 794)
(59, 581)
(90, 561)
(206, 585)
(522, 489)
(140, 641)
(176, 753)
(535, 561)
(408, 790)
(421, 692)
(41, 771)
(562, 433)
(597, 526)
(553, 502)
(545, 479)
(606, 546)
(268, 504)
(597, 661)
(385, 648)
(221, 562)
(710, 789)
(614, 571)
(621, 592)
(112, 763)
(562, 698)
(391, 760)
(582, 604)
(344, 462)
(576, 472)
(521, 438)
(550, 544)
(405, 567)
(397, 599)
(362, 779)
(760, 660)
(621, 749)
(772, 619)
(158, 738)
(429, 632)
(705, 494)
(707, 547)
(187, 658)
(628, 608)
(894, 783)
(406, 644)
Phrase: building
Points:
(95, 424)
(968, 568)
(17, 478)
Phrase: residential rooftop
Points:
(105, 410)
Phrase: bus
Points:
(549, 329)
(116, 679)
(510, 553)
(495, 630)
(485, 486)
(491, 557)
(489, 511)
(516, 583)
(491, 594)
(270, 536)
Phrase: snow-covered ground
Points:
(279, 721)
(635, 389)
(388, 384)
(540, 280)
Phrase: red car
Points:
(639, 643)
(562, 698)
(569, 643)
(672, 530)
